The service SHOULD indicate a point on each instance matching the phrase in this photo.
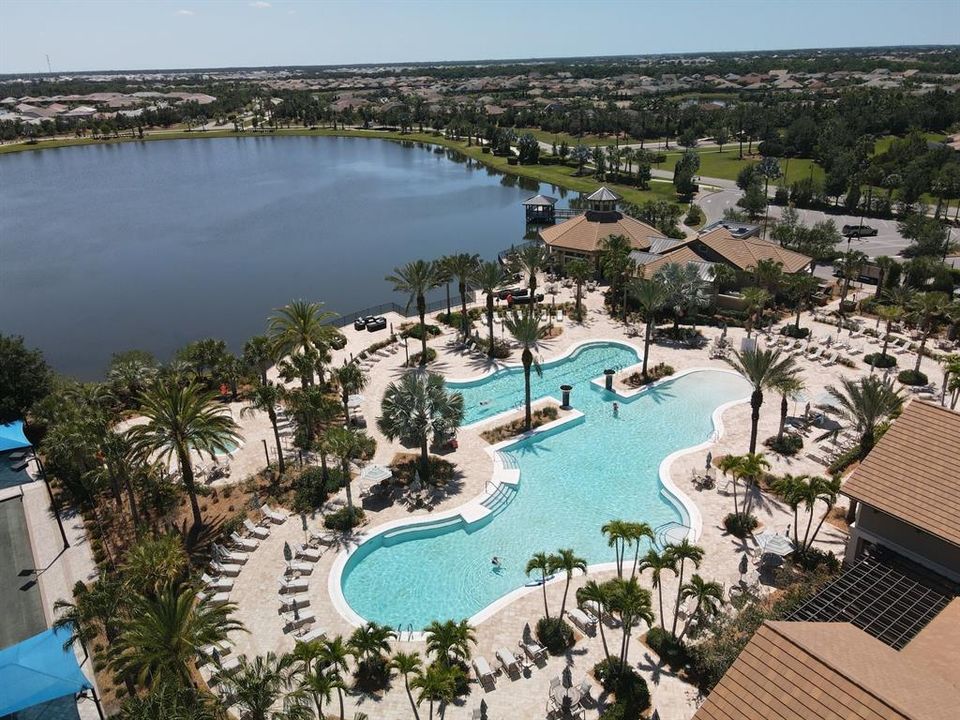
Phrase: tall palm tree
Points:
(347, 444)
(750, 469)
(488, 276)
(657, 563)
(730, 464)
(764, 370)
(540, 563)
(865, 403)
(579, 271)
(416, 279)
(566, 561)
(652, 296)
(755, 300)
(884, 264)
(889, 314)
(530, 259)
(260, 684)
(682, 552)
(320, 684)
(350, 379)
(408, 664)
(632, 603)
(267, 397)
(450, 640)
(790, 386)
(618, 533)
(301, 328)
(596, 594)
(686, 290)
(615, 262)
(313, 411)
(525, 329)
(161, 635)
(438, 683)
(926, 310)
(828, 490)
(416, 409)
(795, 489)
(334, 654)
(258, 355)
(180, 420)
(637, 532)
(800, 289)
(708, 597)
(462, 266)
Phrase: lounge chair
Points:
(831, 360)
(221, 584)
(293, 621)
(275, 517)
(482, 668)
(228, 557)
(243, 544)
(256, 531)
(509, 662)
(855, 350)
(207, 652)
(314, 633)
(583, 621)
(585, 688)
(299, 568)
(306, 553)
(18, 466)
(222, 569)
(815, 355)
(324, 538)
(220, 598)
(228, 667)
(533, 650)
(293, 585)
(287, 601)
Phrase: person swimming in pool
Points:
(616, 409)
(495, 561)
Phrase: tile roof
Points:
(603, 194)
(583, 233)
(913, 473)
(540, 200)
(829, 671)
(681, 256)
(745, 253)
(938, 644)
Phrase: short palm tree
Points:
(525, 329)
(267, 397)
(632, 604)
(790, 386)
(261, 683)
(657, 563)
(865, 403)
(707, 596)
(450, 640)
(926, 310)
(488, 276)
(320, 684)
(652, 296)
(615, 262)
(764, 370)
(95, 609)
(347, 444)
(408, 664)
(370, 642)
(637, 532)
(540, 564)
(161, 635)
(258, 355)
(334, 655)
(889, 314)
(302, 328)
(682, 552)
(437, 684)
(566, 561)
(350, 380)
(416, 409)
(618, 534)
(579, 271)
(800, 289)
(750, 469)
(755, 300)
(181, 420)
(154, 562)
(416, 279)
(313, 411)
(594, 594)
(463, 266)
(530, 259)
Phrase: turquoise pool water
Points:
(572, 481)
(230, 446)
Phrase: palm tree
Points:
(450, 640)
(615, 262)
(350, 380)
(801, 288)
(794, 489)
(750, 469)
(565, 560)
(618, 533)
(347, 444)
(301, 328)
(463, 266)
(632, 603)
(161, 635)
(154, 562)
(180, 420)
(267, 397)
(369, 642)
(686, 290)
(437, 684)
(258, 355)
(417, 409)
(658, 562)
(889, 314)
(951, 379)
(682, 552)
(730, 464)
(755, 300)
(652, 296)
(416, 279)
(525, 329)
(789, 386)
(865, 403)
(636, 532)
(707, 595)
(313, 411)
(884, 264)
(95, 609)
(926, 310)
(408, 664)
(320, 684)
(541, 563)
(333, 654)
(488, 276)
(260, 684)
(827, 492)
(597, 595)
(764, 370)
(579, 270)
(530, 259)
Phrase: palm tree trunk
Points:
(422, 311)
(663, 620)
(528, 416)
(756, 400)
(406, 684)
(784, 408)
(131, 500)
(806, 534)
(563, 604)
(676, 609)
(463, 309)
(281, 465)
(345, 479)
(543, 586)
(923, 343)
(490, 322)
(816, 530)
(603, 637)
(186, 472)
(340, 696)
(647, 337)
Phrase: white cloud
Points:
(260, 4)
(185, 12)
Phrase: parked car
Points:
(858, 231)
(376, 323)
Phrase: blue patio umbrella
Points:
(12, 437)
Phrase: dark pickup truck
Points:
(858, 231)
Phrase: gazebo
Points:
(540, 209)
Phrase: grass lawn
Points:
(572, 140)
(883, 143)
(727, 165)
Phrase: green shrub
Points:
(670, 649)
(880, 361)
(795, 332)
(657, 372)
(232, 524)
(311, 490)
(372, 674)
(414, 331)
(415, 358)
(844, 460)
(501, 350)
(788, 445)
(912, 377)
(813, 559)
(344, 519)
(555, 635)
(694, 216)
(628, 687)
(740, 525)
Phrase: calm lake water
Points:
(153, 245)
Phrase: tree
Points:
(926, 310)
(24, 378)
(313, 411)
(437, 684)
(581, 156)
(632, 603)
(488, 276)
(618, 534)
(258, 355)
(180, 420)
(463, 266)
(260, 684)
(530, 259)
(652, 296)
(301, 328)
(528, 149)
(800, 289)
(541, 563)
(658, 563)
(566, 561)
(749, 468)
(595, 594)
(416, 409)
(789, 386)
(684, 173)
(267, 398)
(721, 136)
(154, 562)
(682, 552)
(347, 444)
(754, 201)
(755, 299)
(525, 329)
(416, 279)
(408, 664)
(764, 370)
(865, 403)
(320, 684)
(450, 641)
(884, 264)
(579, 271)
(797, 490)
(686, 290)
(160, 635)
(351, 379)
(170, 702)
(616, 264)
(368, 644)
(708, 599)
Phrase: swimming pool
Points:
(573, 479)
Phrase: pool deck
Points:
(255, 588)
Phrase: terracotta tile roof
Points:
(681, 256)
(745, 253)
(913, 473)
(828, 671)
(937, 646)
(584, 232)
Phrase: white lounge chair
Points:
(221, 584)
(299, 568)
(287, 601)
(832, 360)
(815, 355)
(275, 517)
(257, 531)
(243, 544)
(228, 557)
(855, 350)
(314, 633)
(583, 621)
(585, 688)
(482, 668)
(293, 621)
(228, 667)
(508, 661)
(533, 650)
(293, 585)
(222, 569)
(324, 538)
(220, 598)
(306, 553)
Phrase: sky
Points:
(145, 34)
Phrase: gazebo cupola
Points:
(602, 204)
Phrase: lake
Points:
(152, 245)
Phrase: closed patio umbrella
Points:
(774, 544)
(375, 473)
